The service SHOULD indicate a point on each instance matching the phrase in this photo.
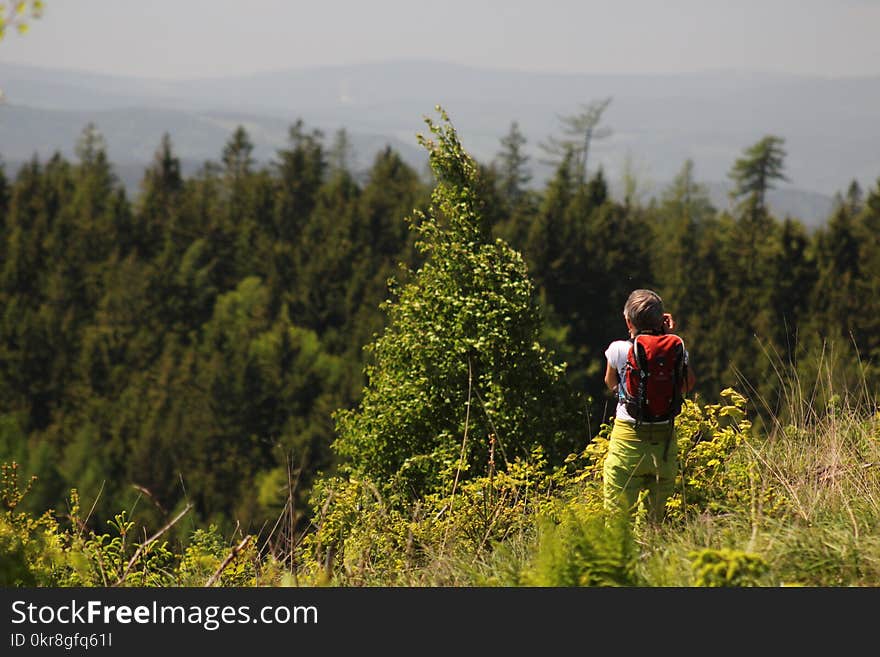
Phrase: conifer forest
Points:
(395, 375)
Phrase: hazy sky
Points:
(195, 38)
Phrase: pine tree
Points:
(839, 270)
(866, 295)
(513, 172)
(854, 197)
(381, 240)
(581, 130)
(319, 297)
(755, 245)
(237, 155)
(339, 158)
(794, 278)
(685, 211)
(301, 168)
(4, 201)
(160, 200)
(545, 238)
(756, 172)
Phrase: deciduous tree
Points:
(459, 360)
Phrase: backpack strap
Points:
(641, 363)
(678, 391)
(680, 376)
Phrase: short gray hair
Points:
(644, 309)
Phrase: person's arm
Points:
(611, 378)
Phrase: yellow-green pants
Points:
(640, 459)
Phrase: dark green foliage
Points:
(4, 199)
(587, 254)
(513, 172)
(581, 130)
(755, 173)
(154, 354)
(161, 192)
(679, 255)
(237, 160)
(301, 168)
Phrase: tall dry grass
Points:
(819, 452)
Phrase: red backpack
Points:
(653, 376)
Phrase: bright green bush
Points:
(205, 553)
(717, 472)
(584, 549)
(728, 568)
(31, 550)
(363, 535)
(459, 360)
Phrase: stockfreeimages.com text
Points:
(211, 617)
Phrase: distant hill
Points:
(133, 135)
(658, 121)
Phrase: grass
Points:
(811, 515)
(795, 503)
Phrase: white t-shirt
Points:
(616, 354)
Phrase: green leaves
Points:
(14, 13)
(460, 357)
(728, 568)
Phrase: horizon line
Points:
(438, 62)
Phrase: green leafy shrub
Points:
(711, 478)
(362, 535)
(584, 549)
(31, 552)
(207, 551)
(728, 568)
(721, 470)
(121, 560)
(28, 551)
(460, 358)
(717, 471)
(41, 552)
